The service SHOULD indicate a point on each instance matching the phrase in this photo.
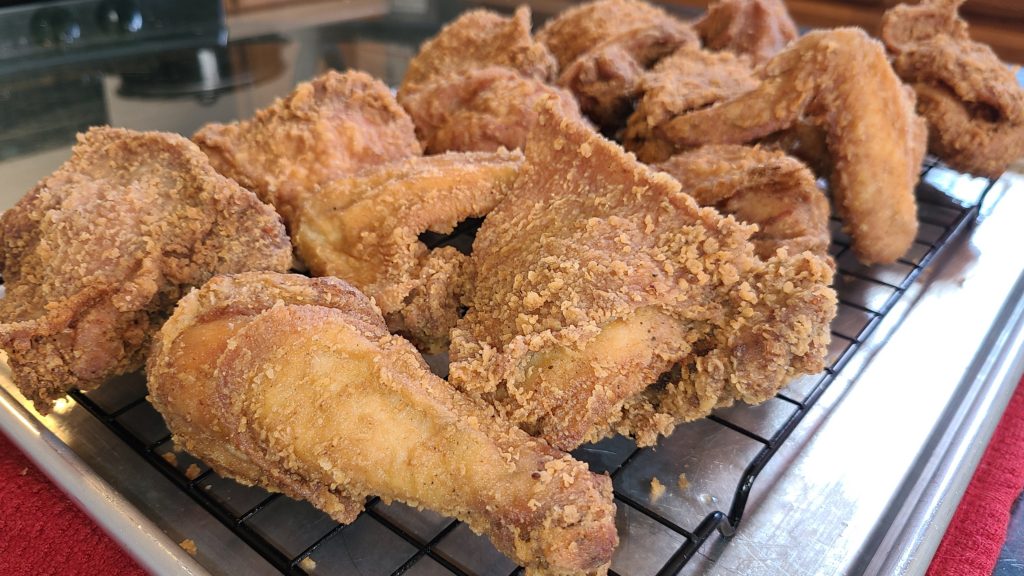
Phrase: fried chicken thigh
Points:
(758, 29)
(294, 384)
(325, 129)
(763, 187)
(972, 101)
(95, 256)
(479, 39)
(597, 275)
(484, 109)
(840, 81)
(365, 229)
(603, 49)
(688, 80)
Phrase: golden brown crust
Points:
(840, 81)
(365, 229)
(758, 29)
(325, 129)
(479, 110)
(688, 80)
(758, 186)
(972, 101)
(97, 254)
(603, 49)
(284, 356)
(601, 275)
(480, 39)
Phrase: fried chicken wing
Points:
(325, 129)
(483, 110)
(365, 229)
(95, 256)
(763, 187)
(840, 81)
(604, 48)
(972, 101)
(758, 29)
(597, 275)
(688, 80)
(479, 39)
(295, 384)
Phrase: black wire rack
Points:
(659, 534)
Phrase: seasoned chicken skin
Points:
(95, 256)
(365, 229)
(758, 29)
(763, 187)
(479, 110)
(841, 82)
(972, 101)
(325, 129)
(294, 384)
(596, 275)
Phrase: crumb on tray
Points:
(192, 472)
(307, 564)
(683, 482)
(657, 489)
(171, 458)
(188, 546)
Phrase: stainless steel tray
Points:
(866, 483)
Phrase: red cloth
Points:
(42, 532)
(977, 532)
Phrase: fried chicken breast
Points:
(95, 256)
(295, 384)
(596, 275)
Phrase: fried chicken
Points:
(479, 39)
(840, 81)
(294, 384)
(597, 275)
(96, 255)
(688, 80)
(763, 187)
(325, 129)
(972, 101)
(758, 29)
(484, 109)
(365, 229)
(603, 49)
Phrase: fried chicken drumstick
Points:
(972, 101)
(841, 82)
(598, 274)
(95, 256)
(296, 385)
(763, 187)
(365, 229)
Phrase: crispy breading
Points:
(365, 229)
(483, 109)
(758, 29)
(758, 186)
(841, 81)
(480, 39)
(296, 385)
(95, 256)
(597, 275)
(325, 129)
(688, 80)
(604, 47)
(972, 101)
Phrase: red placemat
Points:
(42, 532)
(977, 532)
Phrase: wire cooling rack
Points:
(658, 535)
